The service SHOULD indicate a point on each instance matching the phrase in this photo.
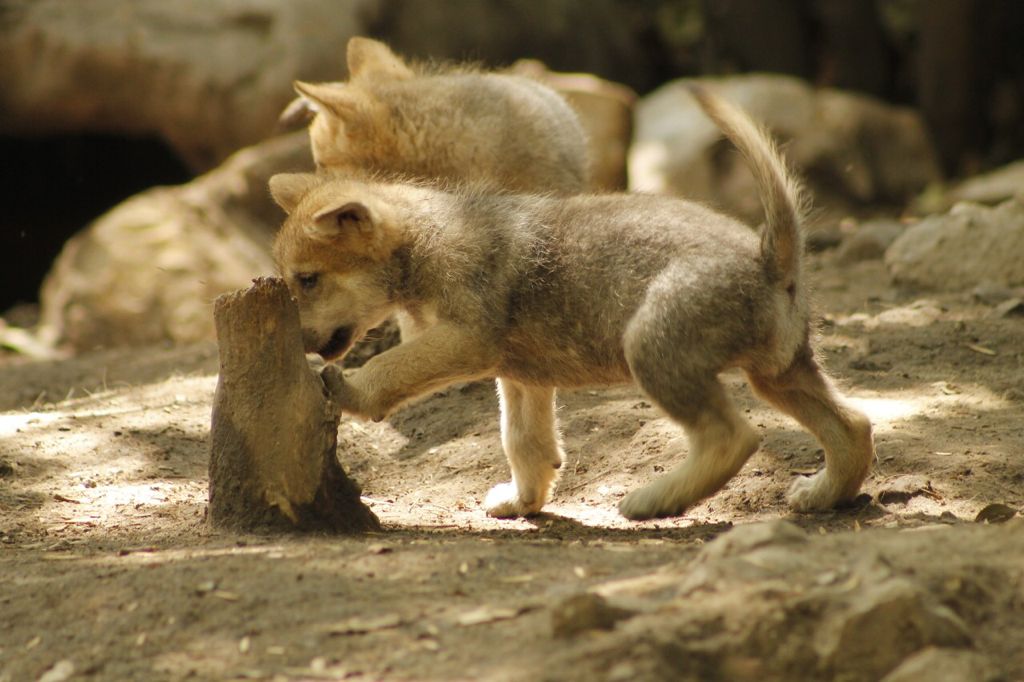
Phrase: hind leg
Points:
(529, 437)
(675, 346)
(805, 393)
(721, 441)
(686, 386)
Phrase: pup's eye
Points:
(307, 280)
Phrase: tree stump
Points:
(274, 435)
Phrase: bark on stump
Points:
(273, 462)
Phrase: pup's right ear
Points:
(340, 218)
(289, 188)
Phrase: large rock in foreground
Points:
(852, 149)
(770, 601)
(958, 250)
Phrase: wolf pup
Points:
(545, 291)
(452, 123)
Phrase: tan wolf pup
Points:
(442, 123)
(547, 291)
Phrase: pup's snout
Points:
(337, 344)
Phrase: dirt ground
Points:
(110, 572)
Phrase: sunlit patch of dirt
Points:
(109, 566)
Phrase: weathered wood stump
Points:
(273, 461)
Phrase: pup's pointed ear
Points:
(289, 188)
(298, 112)
(373, 59)
(334, 99)
(337, 219)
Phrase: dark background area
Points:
(960, 62)
(57, 184)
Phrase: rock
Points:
(956, 250)
(208, 77)
(853, 149)
(991, 188)
(990, 293)
(902, 489)
(745, 538)
(148, 270)
(1011, 307)
(995, 513)
(944, 665)
(869, 242)
(60, 671)
(920, 313)
(605, 110)
(866, 365)
(582, 612)
(823, 238)
(747, 554)
(884, 624)
(23, 342)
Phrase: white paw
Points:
(647, 503)
(812, 493)
(503, 502)
(316, 362)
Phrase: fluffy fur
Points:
(545, 292)
(448, 123)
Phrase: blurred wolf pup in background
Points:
(573, 291)
(447, 123)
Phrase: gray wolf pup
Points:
(544, 292)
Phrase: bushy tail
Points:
(782, 238)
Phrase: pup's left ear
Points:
(334, 99)
(372, 58)
(348, 217)
(289, 188)
(298, 112)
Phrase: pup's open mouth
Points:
(337, 345)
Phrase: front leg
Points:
(439, 356)
(529, 435)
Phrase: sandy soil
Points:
(110, 572)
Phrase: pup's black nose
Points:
(337, 344)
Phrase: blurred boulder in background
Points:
(869, 241)
(853, 150)
(993, 187)
(209, 76)
(148, 270)
(960, 249)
